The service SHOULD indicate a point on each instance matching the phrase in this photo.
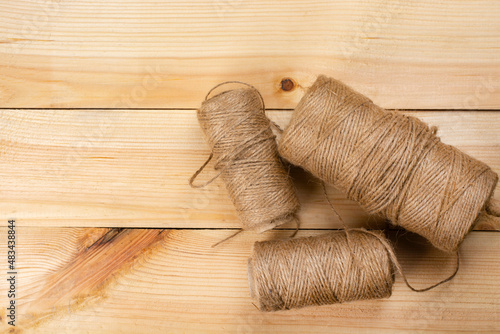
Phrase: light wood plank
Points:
(98, 168)
(184, 285)
(123, 54)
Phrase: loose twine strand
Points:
(393, 165)
(246, 157)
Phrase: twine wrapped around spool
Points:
(245, 153)
(332, 268)
(393, 165)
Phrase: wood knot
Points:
(287, 84)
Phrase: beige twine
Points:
(332, 268)
(392, 164)
(245, 153)
(336, 267)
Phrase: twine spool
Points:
(393, 165)
(246, 156)
(332, 268)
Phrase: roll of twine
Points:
(332, 268)
(337, 267)
(393, 165)
(245, 152)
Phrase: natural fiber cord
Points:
(332, 268)
(244, 148)
(390, 163)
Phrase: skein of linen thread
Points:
(332, 268)
(393, 165)
(246, 156)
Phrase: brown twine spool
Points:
(332, 268)
(349, 265)
(392, 164)
(246, 156)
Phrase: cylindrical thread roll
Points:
(245, 152)
(390, 163)
(327, 269)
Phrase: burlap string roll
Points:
(245, 152)
(332, 268)
(390, 163)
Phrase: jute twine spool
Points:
(246, 156)
(392, 164)
(332, 268)
(349, 265)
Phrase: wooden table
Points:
(98, 137)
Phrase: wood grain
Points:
(184, 285)
(106, 137)
(129, 168)
(127, 54)
(92, 269)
